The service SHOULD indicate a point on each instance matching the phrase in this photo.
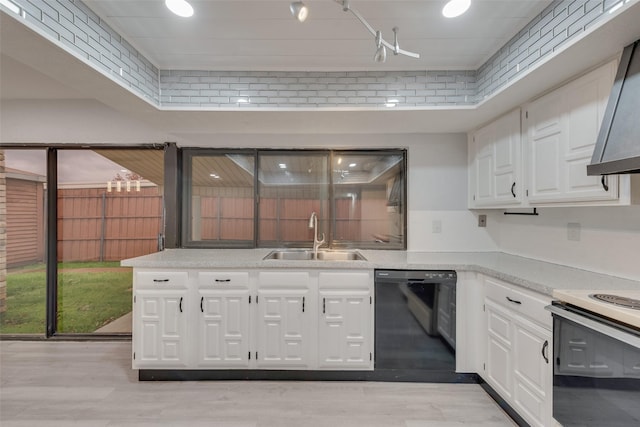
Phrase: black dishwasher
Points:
(415, 326)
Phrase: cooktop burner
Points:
(618, 300)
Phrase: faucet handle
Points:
(321, 241)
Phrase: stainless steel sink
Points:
(305, 255)
(340, 256)
(295, 255)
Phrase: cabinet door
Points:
(586, 100)
(283, 328)
(345, 329)
(507, 154)
(499, 365)
(497, 164)
(532, 372)
(160, 321)
(562, 128)
(544, 134)
(223, 328)
(483, 140)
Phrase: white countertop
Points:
(536, 275)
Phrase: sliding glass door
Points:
(109, 209)
(22, 241)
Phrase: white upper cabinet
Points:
(496, 175)
(540, 157)
(562, 128)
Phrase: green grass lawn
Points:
(90, 295)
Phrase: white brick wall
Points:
(328, 89)
(554, 26)
(72, 24)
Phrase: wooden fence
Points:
(94, 225)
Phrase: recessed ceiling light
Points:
(214, 175)
(352, 165)
(179, 7)
(282, 165)
(455, 8)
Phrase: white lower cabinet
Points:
(532, 379)
(345, 326)
(283, 320)
(519, 338)
(160, 326)
(499, 366)
(223, 328)
(160, 320)
(272, 319)
(283, 331)
(222, 320)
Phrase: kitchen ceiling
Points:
(35, 73)
(261, 35)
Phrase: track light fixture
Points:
(299, 10)
(381, 44)
(381, 51)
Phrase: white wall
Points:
(609, 237)
(71, 121)
(437, 181)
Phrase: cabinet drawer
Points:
(526, 303)
(162, 280)
(283, 279)
(223, 279)
(348, 280)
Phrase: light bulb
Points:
(455, 8)
(179, 7)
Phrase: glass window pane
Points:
(220, 199)
(109, 208)
(292, 185)
(369, 199)
(22, 241)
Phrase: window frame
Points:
(184, 199)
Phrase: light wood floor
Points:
(91, 384)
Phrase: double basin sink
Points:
(306, 255)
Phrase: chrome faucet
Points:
(313, 223)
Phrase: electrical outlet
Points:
(573, 231)
(436, 226)
(482, 220)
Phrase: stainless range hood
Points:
(617, 149)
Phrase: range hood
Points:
(617, 148)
